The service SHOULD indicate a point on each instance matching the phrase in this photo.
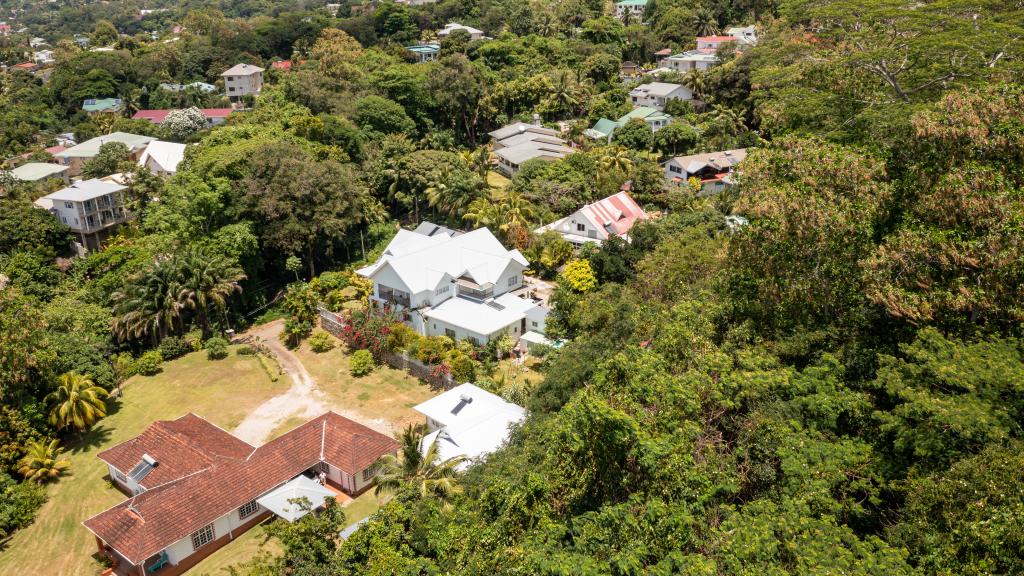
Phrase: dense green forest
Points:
(835, 387)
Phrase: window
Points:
(248, 509)
(449, 333)
(231, 89)
(580, 227)
(514, 280)
(69, 205)
(202, 537)
(533, 323)
(442, 289)
(369, 473)
(119, 476)
(676, 169)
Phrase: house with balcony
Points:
(713, 169)
(657, 94)
(242, 80)
(424, 52)
(631, 9)
(690, 60)
(596, 222)
(464, 286)
(77, 155)
(91, 208)
(192, 487)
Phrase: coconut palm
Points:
(503, 214)
(705, 22)
(151, 304)
(425, 471)
(77, 402)
(616, 159)
(697, 82)
(41, 462)
(452, 192)
(209, 279)
(479, 160)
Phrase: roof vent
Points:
(464, 400)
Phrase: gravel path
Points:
(304, 399)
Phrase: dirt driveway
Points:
(303, 400)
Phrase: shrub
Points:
(401, 338)
(361, 363)
(216, 348)
(173, 347)
(433, 349)
(578, 276)
(18, 503)
(149, 363)
(321, 341)
(295, 331)
(124, 366)
(368, 329)
(245, 350)
(463, 367)
(195, 339)
(270, 366)
(541, 350)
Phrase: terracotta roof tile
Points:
(148, 522)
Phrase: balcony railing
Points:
(394, 297)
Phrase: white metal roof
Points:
(519, 128)
(657, 88)
(35, 171)
(241, 70)
(280, 500)
(91, 147)
(167, 155)
(85, 190)
(520, 153)
(453, 26)
(475, 421)
(422, 261)
(481, 317)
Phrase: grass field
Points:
(385, 393)
(222, 391)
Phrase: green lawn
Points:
(385, 393)
(223, 391)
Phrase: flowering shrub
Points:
(321, 341)
(369, 330)
(183, 123)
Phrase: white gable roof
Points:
(167, 155)
(422, 261)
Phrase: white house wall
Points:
(223, 526)
(437, 328)
(513, 269)
(387, 276)
(536, 319)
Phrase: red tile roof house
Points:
(194, 487)
(596, 222)
(213, 116)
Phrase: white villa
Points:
(596, 222)
(633, 9)
(242, 80)
(193, 487)
(474, 34)
(464, 286)
(162, 158)
(657, 94)
(91, 208)
(690, 60)
(468, 421)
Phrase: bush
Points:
(124, 366)
(149, 363)
(321, 341)
(541, 350)
(245, 350)
(402, 337)
(195, 339)
(433, 349)
(173, 347)
(18, 503)
(270, 366)
(361, 363)
(463, 367)
(216, 348)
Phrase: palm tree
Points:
(509, 211)
(705, 22)
(616, 159)
(41, 462)
(567, 94)
(77, 402)
(424, 470)
(150, 305)
(209, 280)
(697, 82)
(479, 160)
